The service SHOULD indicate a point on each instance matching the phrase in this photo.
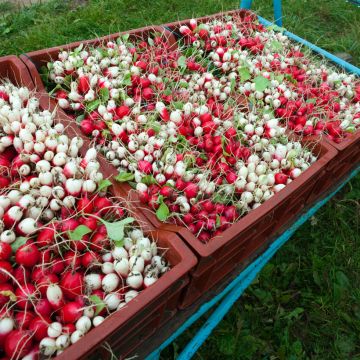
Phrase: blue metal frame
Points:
(236, 288)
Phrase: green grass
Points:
(306, 302)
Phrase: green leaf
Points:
(19, 241)
(80, 118)
(79, 232)
(279, 78)
(132, 184)
(162, 213)
(261, 83)
(178, 105)
(311, 101)
(93, 105)
(150, 41)
(156, 126)
(218, 221)
(125, 37)
(232, 84)
(124, 176)
(244, 73)
(104, 94)
(276, 45)
(100, 304)
(104, 184)
(148, 180)
(127, 80)
(182, 62)
(115, 230)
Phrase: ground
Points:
(306, 302)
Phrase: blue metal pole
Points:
(277, 12)
(248, 276)
(245, 4)
(345, 65)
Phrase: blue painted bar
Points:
(278, 12)
(237, 286)
(245, 4)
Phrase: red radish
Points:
(43, 308)
(85, 205)
(45, 237)
(39, 326)
(27, 255)
(191, 190)
(280, 178)
(90, 259)
(102, 205)
(84, 85)
(70, 312)
(26, 296)
(22, 275)
(18, 344)
(69, 225)
(23, 319)
(89, 222)
(72, 284)
(5, 251)
(6, 291)
(5, 269)
(55, 296)
(122, 111)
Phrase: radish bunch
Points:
(181, 132)
(69, 255)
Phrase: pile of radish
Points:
(69, 253)
(309, 96)
(178, 129)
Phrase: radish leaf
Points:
(115, 230)
(182, 62)
(162, 213)
(79, 232)
(124, 176)
(244, 73)
(104, 94)
(100, 304)
(261, 83)
(104, 184)
(21, 240)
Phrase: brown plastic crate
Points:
(250, 232)
(155, 305)
(36, 59)
(348, 157)
(124, 331)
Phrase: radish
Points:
(47, 346)
(6, 326)
(18, 343)
(72, 284)
(54, 295)
(54, 330)
(76, 336)
(70, 312)
(39, 327)
(110, 282)
(97, 320)
(27, 255)
(83, 324)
